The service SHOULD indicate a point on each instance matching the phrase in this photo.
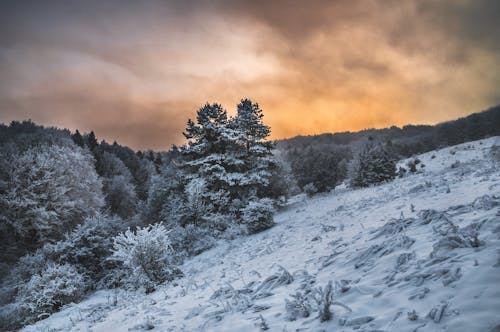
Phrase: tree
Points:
(205, 160)
(373, 164)
(91, 140)
(121, 198)
(119, 190)
(227, 163)
(78, 139)
(255, 160)
(319, 167)
(50, 190)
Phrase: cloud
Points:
(135, 72)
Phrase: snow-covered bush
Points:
(49, 290)
(258, 215)
(310, 189)
(298, 307)
(146, 253)
(412, 164)
(495, 152)
(190, 240)
(317, 300)
(85, 249)
(89, 245)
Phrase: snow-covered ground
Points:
(421, 253)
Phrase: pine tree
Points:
(230, 159)
(256, 160)
(78, 139)
(373, 164)
(204, 160)
(91, 140)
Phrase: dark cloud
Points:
(135, 71)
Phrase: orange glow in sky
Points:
(135, 72)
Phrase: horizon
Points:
(100, 138)
(134, 73)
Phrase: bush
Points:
(89, 246)
(190, 240)
(147, 254)
(319, 300)
(310, 189)
(258, 215)
(48, 291)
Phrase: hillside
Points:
(420, 253)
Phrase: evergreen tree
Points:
(78, 139)
(255, 153)
(229, 159)
(91, 141)
(204, 161)
(374, 164)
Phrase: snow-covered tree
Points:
(206, 160)
(230, 160)
(254, 159)
(50, 190)
(88, 246)
(165, 201)
(373, 164)
(120, 194)
(146, 253)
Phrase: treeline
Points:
(319, 163)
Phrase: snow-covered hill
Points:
(421, 253)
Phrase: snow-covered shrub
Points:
(258, 215)
(190, 240)
(146, 253)
(310, 189)
(12, 317)
(401, 171)
(298, 307)
(89, 245)
(412, 164)
(49, 290)
(495, 152)
(317, 300)
(280, 278)
(231, 299)
(30, 264)
(324, 300)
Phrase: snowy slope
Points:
(421, 253)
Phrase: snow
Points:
(386, 276)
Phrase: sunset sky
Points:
(135, 71)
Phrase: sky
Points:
(135, 71)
